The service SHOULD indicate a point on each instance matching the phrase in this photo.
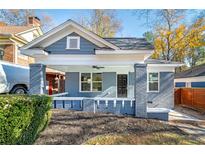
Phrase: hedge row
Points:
(23, 117)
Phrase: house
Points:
(14, 37)
(115, 73)
(194, 77)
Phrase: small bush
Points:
(23, 117)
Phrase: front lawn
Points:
(72, 127)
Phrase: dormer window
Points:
(73, 42)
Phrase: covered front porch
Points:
(117, 89)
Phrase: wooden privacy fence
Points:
(190, 97)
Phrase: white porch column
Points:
(140, 90)
(37, 79)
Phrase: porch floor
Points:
(75, 127)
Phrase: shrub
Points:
(23, 117)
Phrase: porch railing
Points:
(96, 104)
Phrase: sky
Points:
(131, 25)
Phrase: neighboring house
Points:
(14, 37)
(97, 69)
(194, 77)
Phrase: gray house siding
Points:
(59, 47)
(108, 85)
(162, 99)
(165, 97)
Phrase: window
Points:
(153, 82)
(91, 82)
(73, 42)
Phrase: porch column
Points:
(37, 79)
(140, 90)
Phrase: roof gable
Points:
(59, 47)
(67, 28)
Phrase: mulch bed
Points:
(73, 127)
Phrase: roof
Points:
(193, 72)
(14, 29)
(131, 43)
(64, 26)
(117, 43)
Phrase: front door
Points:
(122, 85)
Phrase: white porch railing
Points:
(99, 103)
(106, 100)
(60, 94)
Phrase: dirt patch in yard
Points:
(72, 127)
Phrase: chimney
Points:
(2, 24)
(34, 21)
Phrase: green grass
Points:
(165, 138)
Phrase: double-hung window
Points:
(91, 82)
(153, 82)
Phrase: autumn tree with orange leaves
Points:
(179, 43)
(173, 39)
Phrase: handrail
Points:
(68, 98)
(60, 94)
(112, 98)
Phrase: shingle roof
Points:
(13, 29)
(131, 43)
(194, 72)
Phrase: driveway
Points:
(189, 121)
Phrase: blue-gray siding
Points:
(140, 89)
(165, 97)
(59, 47)
(108, 85)
(180, 84)
(198, 84)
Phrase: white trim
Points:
(68, 42)
(190, 79)
(107, 60)
(34, 52)
(155, 91)
(110, 52)
(91, 83)
(161, 68)
(64, 25)
(167, 65)
(59, 94)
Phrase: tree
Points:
(104, 23)
(172, 38)
(20, 16)
(180, 44)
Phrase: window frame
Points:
(148, 90)
(68, 42)
(91, 83)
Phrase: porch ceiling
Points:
(100, 68)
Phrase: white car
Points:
(13, 78)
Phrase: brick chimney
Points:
(2, 24)
(34, 21)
